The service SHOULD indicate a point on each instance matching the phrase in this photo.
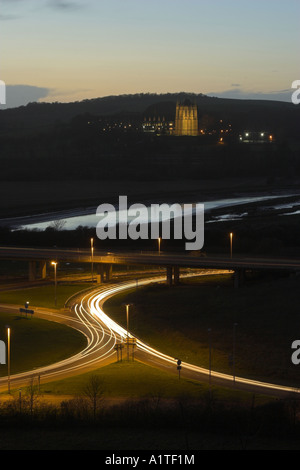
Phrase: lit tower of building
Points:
(186, 120)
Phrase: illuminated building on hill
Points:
(186, 119)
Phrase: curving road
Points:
(87, 315)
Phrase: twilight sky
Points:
(68, 50)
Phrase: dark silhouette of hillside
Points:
(280, 117)
(83, 141)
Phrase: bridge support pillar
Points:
(176, 275)
(108, 272)
(172, 275)
(32, 271)
(104, 272)
(42, 269)
(239, 277)
(100, 273)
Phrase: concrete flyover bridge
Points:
(38, 258)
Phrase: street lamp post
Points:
(159, 240)
(92, 253)
(127, 327)
(231, 235)
(127, 322)
(54, 263)
(8, 358)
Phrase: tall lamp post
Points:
(159, 240)
(54, 263)
(127, 327)
(8, 358)
(231, 235)
(92, 256)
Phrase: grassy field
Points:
(176, 321)
(137, 380)
(128, 380)
(43, 296)
(35, 342)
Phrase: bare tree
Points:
(57, 224)
(32, 391)
(94, 391)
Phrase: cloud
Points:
(55, 93)
(240, 94)
(20, 95)
(64, 4)
(55, 3)
(7, 17)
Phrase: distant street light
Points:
(92, 253)
(54, 263)
(159, 240)
(231, 235)
(8, 358)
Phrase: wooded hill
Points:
(278, 117)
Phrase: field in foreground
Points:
(137, 407)
(254, 326)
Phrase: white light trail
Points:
(96, 306)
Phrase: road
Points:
(98, 351)
(162, 259)
(87, 315)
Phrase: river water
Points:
(90, 219)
